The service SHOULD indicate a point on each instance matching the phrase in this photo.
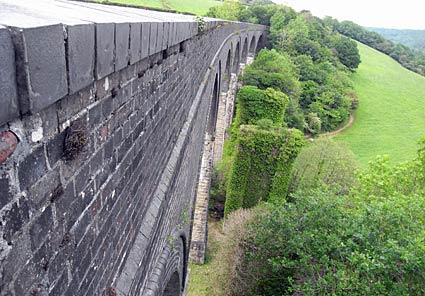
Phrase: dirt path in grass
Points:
(338, 131)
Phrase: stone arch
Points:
(173, 287)
(245, 50)
(212, 117)
(252, 47)
(260, 44)
(227, 72)
(171, 268)
(236, 59)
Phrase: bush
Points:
(323, 244)
(324, 162)
(273, 69)
(255, 104)
(231, 264)
(314, 124)
(381, 178)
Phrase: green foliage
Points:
(275, 62)
(255, 104)
(332, 108)
(229, 10)
(201, 24)
(322, 58)
(314, 123)
(347, 51)
(369, 241)
(323, 244)
(258, 13)
(324, 162)
(261, 167)
(294, 116)
(272, 69)
(306, 49)
(278, 22)
(381, 178)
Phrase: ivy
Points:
(262, 165)
(256, 104)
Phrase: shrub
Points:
(255, 104)
(323, 244)
(324, 162)
(231, 264)
(273, 69)
(381, 178)
(314, 124)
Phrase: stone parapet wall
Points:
(101, 132)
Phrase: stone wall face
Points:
(98, 172)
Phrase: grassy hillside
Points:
(391, 115)
(198, 7)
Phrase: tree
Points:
(229, 10)
(272, 69)
(255, 104)
(324, 162)
(347, 51)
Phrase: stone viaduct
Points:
(103, 116)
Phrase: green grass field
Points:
(200, 283)
(198, 7)
(391, 115)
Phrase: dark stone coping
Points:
(59, 47)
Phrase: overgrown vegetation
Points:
(326, 228)
(261, 166)
(309, 63)
(324, 162)
(365, 241)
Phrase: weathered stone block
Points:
(8, 143)
(153, 36)
(122, 38)
(41, 66)
(144, 41)
(81, 56)
(6, 195)
(180, 31)
(165, 33)
(55, 148)
(15, 218)
(159, 37)
(105, 46)
(171, 28)
(49, 188)
(95, 116)
(32, 168)
(40, 229)
(8, 92)
(135, 42)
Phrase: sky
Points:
(402, 14)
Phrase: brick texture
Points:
(116, 215)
